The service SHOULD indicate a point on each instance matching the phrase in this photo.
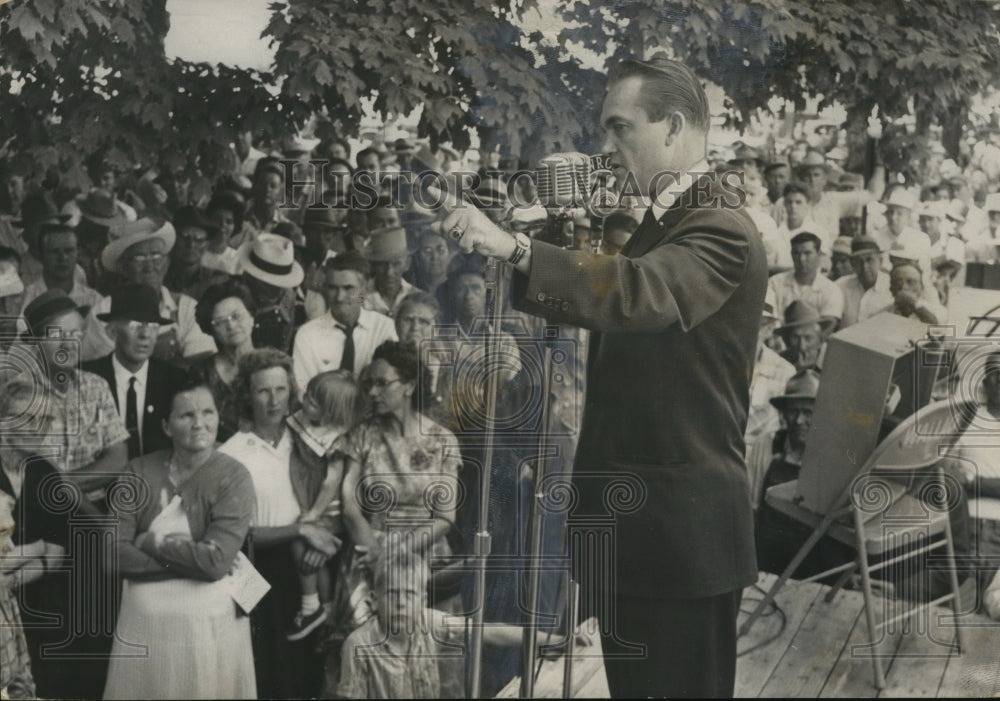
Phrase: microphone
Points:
(603, 199)
(563, 180)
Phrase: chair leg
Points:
(866, 588)
(818, 532)
(953, 578)
(839, 584)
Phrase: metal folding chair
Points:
(879, 515)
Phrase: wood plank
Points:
(588, 671)
(922, 657)
(754, 668)
(852, 676)
(804, 669)
(976, 671)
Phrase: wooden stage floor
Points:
(807, 651)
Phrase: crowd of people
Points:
(253, 389)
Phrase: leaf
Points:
(322, 73)
(26, 22)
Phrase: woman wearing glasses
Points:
(400, 465)
(226, 312)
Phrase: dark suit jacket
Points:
(661, 442)
(161, 380)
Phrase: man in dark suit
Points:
(675, 317)
(140, 384)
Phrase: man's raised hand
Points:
(471, 228)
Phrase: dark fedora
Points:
(800, 313)
(134, 302)
(39, 208)
(48, 306)
(803, 385)
(98, 207)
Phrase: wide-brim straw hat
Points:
(125, 235)
(271, 258)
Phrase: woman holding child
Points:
(293, 534)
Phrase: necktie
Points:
(132, 420)
(347, 359)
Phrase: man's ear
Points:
(676, 121)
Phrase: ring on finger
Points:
(456, 233)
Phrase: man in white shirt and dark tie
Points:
(347, 336)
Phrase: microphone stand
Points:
(483, 539)
(530, 638)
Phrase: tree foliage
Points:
(79, 77)
(466, 63)
(928, 56)
(85, 77)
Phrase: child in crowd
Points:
(408, 650)
(330, 407)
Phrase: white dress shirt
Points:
(269, 467)
(859, 303)
(122, 376)
(319, 344)
(823, 294)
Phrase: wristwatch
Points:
(522, 245)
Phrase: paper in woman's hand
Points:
(248, 585)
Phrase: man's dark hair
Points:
(668, 86)
(793, 188)
(806, 237)
(350, 260)
(51, 230)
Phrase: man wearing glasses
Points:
(91, 435)
(675, 318)
(138, 251)
(140, 384)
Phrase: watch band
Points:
(521, 245)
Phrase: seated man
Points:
(779, 537)
(907, 288)
(840, 258)
(804, 334)
(804, 281)
(866, 293)
(771, 373)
